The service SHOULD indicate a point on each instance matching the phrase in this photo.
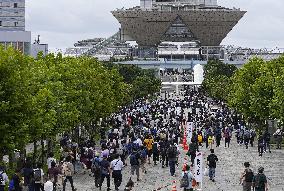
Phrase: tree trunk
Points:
(11, 159)
(35, 154)
(42, 150)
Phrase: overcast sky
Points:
(63, 22)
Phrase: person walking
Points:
(156, 152)
(246, 137)
(186, 180)
(134, 162)
(247, 177)
(38, 178)
(15, 182)
(252, 137)
(143, 158)
(27, 172)
(105, 171)
(193, 147)
(278, 135)
(259, 182)
(266, 138)
(227, 135)
(163, 151)
(260, 145)
(148, 142)
(116, 165)
(68, 171)
(211, 162)
(172, 157)
(3, 178)
(53, 173)
(96, 169)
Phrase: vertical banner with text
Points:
(189, 129)
(198, 163)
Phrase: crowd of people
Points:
(143, 133)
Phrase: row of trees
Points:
(42, 97)
(256, 90)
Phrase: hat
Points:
(246, 164)
(260, 169)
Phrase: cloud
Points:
(63, 22)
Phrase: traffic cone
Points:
(174, 187)
(184, 164)
(185, 146)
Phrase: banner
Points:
(198, 171)
(189, 129)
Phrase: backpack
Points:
(184, 182)
(155, 148)
(257, 182)
(200, 138)
(1, 178)
(143, 154)
(96, 165)
(249, 175)
(172, 152)
(133, 159)
(247, 134)
(66, 170)
(37, 175)
(135, 146)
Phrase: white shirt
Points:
(49, 160)
(116, 164)
(5, 178)
(48, 186)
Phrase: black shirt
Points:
(212, 159)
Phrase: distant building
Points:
(12, 26)
(37, 47)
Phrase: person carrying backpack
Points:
(3, 178)
(259, 182)
(96, 169)
(211, 162)
(38, 178)
(260, 145)
(156, 152)
(186, 180)
(68, 171)
(105, 171)
(278, 135)
(163, 151)
(246, 137)
(172, 156)
(143, 158)
(247, 177)
(193, 147)
(134, 162)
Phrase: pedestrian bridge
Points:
(177, 84)
(183, 64)
(181, 83)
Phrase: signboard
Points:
(189, 129)
(198, 167)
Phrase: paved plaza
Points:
(228, 171)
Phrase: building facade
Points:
(12, 26)
(156, 21)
